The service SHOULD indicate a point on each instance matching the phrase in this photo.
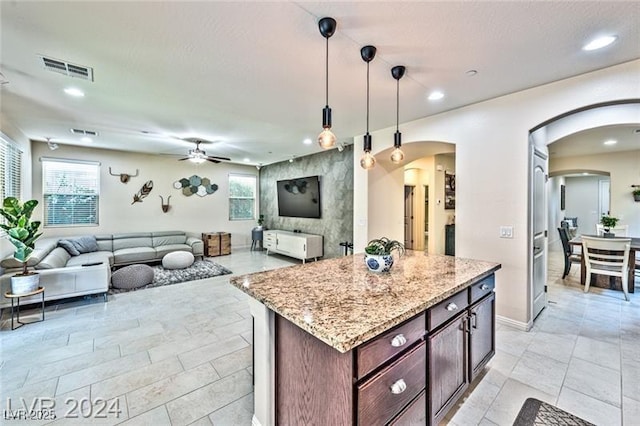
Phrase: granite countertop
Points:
(343, 304)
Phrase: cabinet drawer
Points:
(482, 288)
(446, 310)
(374, 353)
(383, 396)
(415, 414)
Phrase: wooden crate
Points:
(216, 243)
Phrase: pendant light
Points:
(368, 160)
(327, 139)
(397, 155)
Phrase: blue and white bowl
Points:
(378, 263)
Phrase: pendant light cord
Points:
(397, 104)
(326, 62)
(367, 97)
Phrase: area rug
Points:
(538, 413)
(200, 269)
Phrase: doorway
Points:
(408, 216)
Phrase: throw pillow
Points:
(85, 244)
(69, 247)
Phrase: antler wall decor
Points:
(165, 207)
(124, 177)
(144, 191)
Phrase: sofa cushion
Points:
(57, 258)
(161, 251)
(44, 246)
(163, 240)
(134, 254)
(125, 241)
(105, 242)
(85, 244)
(105, 257)
(69, 247)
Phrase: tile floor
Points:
(181, 355)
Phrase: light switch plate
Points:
(506, 232)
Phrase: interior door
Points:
(408, 217)
(539, 230)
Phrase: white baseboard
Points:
(524, 326)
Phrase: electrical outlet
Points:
(506, 232)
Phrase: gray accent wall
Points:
(336, 196)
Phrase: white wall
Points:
(491, 140)
(582, 201)
(554, 214)
(193, 214)
(624, 171)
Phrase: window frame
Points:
(11, 161)
(255, 195)
(45, 215)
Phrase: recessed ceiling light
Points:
(307, 141)
(585, 174)
(434, 96)
(86, 139)
(599, 43)
(74, 91)
(611, 142)
(246, 160)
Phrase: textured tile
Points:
(102, 372)
(205, 421)
(500, 367)
(233, 362)
(157, 416)
(555, 346)
(590, 409)
(513, 341)
(211, 352)
(595, 381)
(179, 346)
(474, 404)
(601, 330)
(540, 372)
(631, 379)
(190, 407)
(598, 352)
(172, 387)
(630, 411)
(507, 404)
(239, 412)
(140, 377)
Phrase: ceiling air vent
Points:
(67, 68)
(84, 132)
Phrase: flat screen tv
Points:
(299, 197)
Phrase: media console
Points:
(294, 244)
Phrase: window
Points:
(10, 168)
(70, 190)
(242, 197)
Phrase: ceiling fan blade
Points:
(212, 160)
(182, 159)
(220, 158)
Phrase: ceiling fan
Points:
(198, 155)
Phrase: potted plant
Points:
(22, 233)
(636, 194)
(378, 256)
(260, 221)
(608, 222)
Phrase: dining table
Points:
(635, 246)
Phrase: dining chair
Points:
(567, 250)
(607, 256)
(618, 231)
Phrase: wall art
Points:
(195, 185)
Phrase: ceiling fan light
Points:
(197, 160)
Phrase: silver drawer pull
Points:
(452, 307)
(484, 287)
(398, 387)
(398, 340)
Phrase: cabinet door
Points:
(293, 245)
(447, 369)
(482, 335)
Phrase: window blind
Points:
(71, 191)
(10, 171)
(242, 197)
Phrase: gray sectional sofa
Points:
(76, 266)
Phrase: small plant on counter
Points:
(609, 222)
(378, 256)
(636, 194)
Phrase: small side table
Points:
(17, 297)
(256, 239)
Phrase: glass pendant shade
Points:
(326, 139)
(397, 156)
(367, 161)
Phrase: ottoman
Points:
(132, 276)
(177, 260)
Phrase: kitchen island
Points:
(336, 344)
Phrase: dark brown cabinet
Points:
(481, 334)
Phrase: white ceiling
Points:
(250, 75)
(589, 142)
